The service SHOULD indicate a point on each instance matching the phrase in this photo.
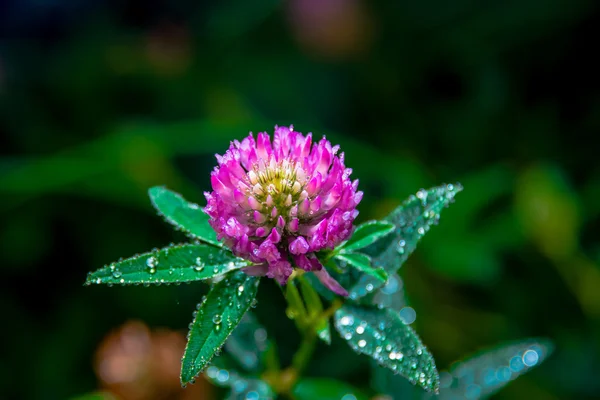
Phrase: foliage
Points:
(368, 328)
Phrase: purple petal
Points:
(293, 225)
(314, 185)
(299, 246)
(330, 283)
(280, 270)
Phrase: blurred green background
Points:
(99, 100)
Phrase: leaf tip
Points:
(154, 192)
(381, 274)
(455, 187)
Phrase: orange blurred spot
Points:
(135, 363)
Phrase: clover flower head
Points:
(277, 203)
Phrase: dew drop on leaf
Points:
(152, 263)
(117, 274)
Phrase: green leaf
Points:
(188, 217)
(367, 234)
(485, 373)
(412, 219)
(174, 264)
(248, 343)
(381, 334)
(363, 262)
(217, 316)
(325, 389)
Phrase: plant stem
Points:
(304, 353)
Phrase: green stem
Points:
(304, 353)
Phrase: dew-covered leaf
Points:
(485, 373)
(242, 387)
(217, 316)
(173, 264)
(325, 389)
(363, 262)
(412, 220)
(367, 234)
(186, 216)
(382, 335)
(248, 343)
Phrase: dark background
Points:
(99, 100)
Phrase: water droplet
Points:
(117, 274)
(362, 343)
(240, 290)
(408, 315)
(217, 319)
(152, 263)
(530, 358)
(199, 266)
(360, 329)
(223, 376)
